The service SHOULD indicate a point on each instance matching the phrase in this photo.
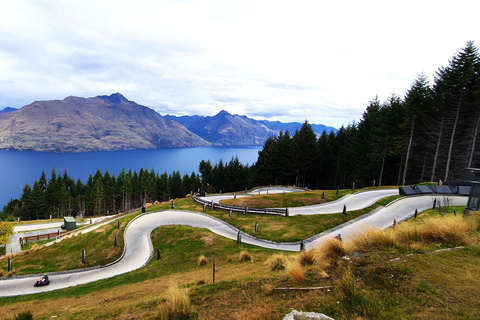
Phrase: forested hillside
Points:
(430, 134)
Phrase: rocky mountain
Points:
(91, 124)
(227, 129)
(7, 109)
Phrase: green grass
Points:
(290, 229)
(373, 283)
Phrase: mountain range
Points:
(113, 122)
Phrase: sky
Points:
(321, 61)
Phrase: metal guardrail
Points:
(243, 210)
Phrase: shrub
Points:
(245, 256)
(202, 260)
(178, 304)
(276, 262)
(295, 269)
(2, 273)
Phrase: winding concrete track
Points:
(138, 246)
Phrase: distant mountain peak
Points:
(114, 98)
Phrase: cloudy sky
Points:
(321, 61)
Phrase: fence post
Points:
(118, 224)
(230, 214)
(9, 264)
(246, 210)
(158, 254)
(115, 240)
(323, 195)
(415, 215)
(344, 209)
(239, 238)
(83, 256)
(256, 226)
(434, 203)
(338, 188)
(213, 253)
(204, 207)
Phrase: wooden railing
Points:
(41, 236)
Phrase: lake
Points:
(18, 168)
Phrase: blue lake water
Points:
(18, 168)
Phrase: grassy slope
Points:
(246, 289)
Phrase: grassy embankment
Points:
(380, 278)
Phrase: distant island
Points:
(107, 123)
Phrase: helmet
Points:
(45, 274)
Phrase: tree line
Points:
(430, 134)
(60, 195)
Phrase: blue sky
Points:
(277, 60)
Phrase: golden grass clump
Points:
(294, 268)
(374, 239)
(245, 256)
(327, 252)
(35, 247)
(177, 305)
(202, 260)
(276, 262)
(306, 258)
(2, 273)
(448, 230)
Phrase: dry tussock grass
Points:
(294, 268)
(35, 247)
(276, 262)
(202, 260)
(374, 239)
(178, 304)
(327, 252)
(449, 230)
(2, 273)
(306, 258)
(207, 240)
(245, 256)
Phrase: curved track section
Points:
(138, 246)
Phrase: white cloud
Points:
(280, 60)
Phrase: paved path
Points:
(138, 246)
